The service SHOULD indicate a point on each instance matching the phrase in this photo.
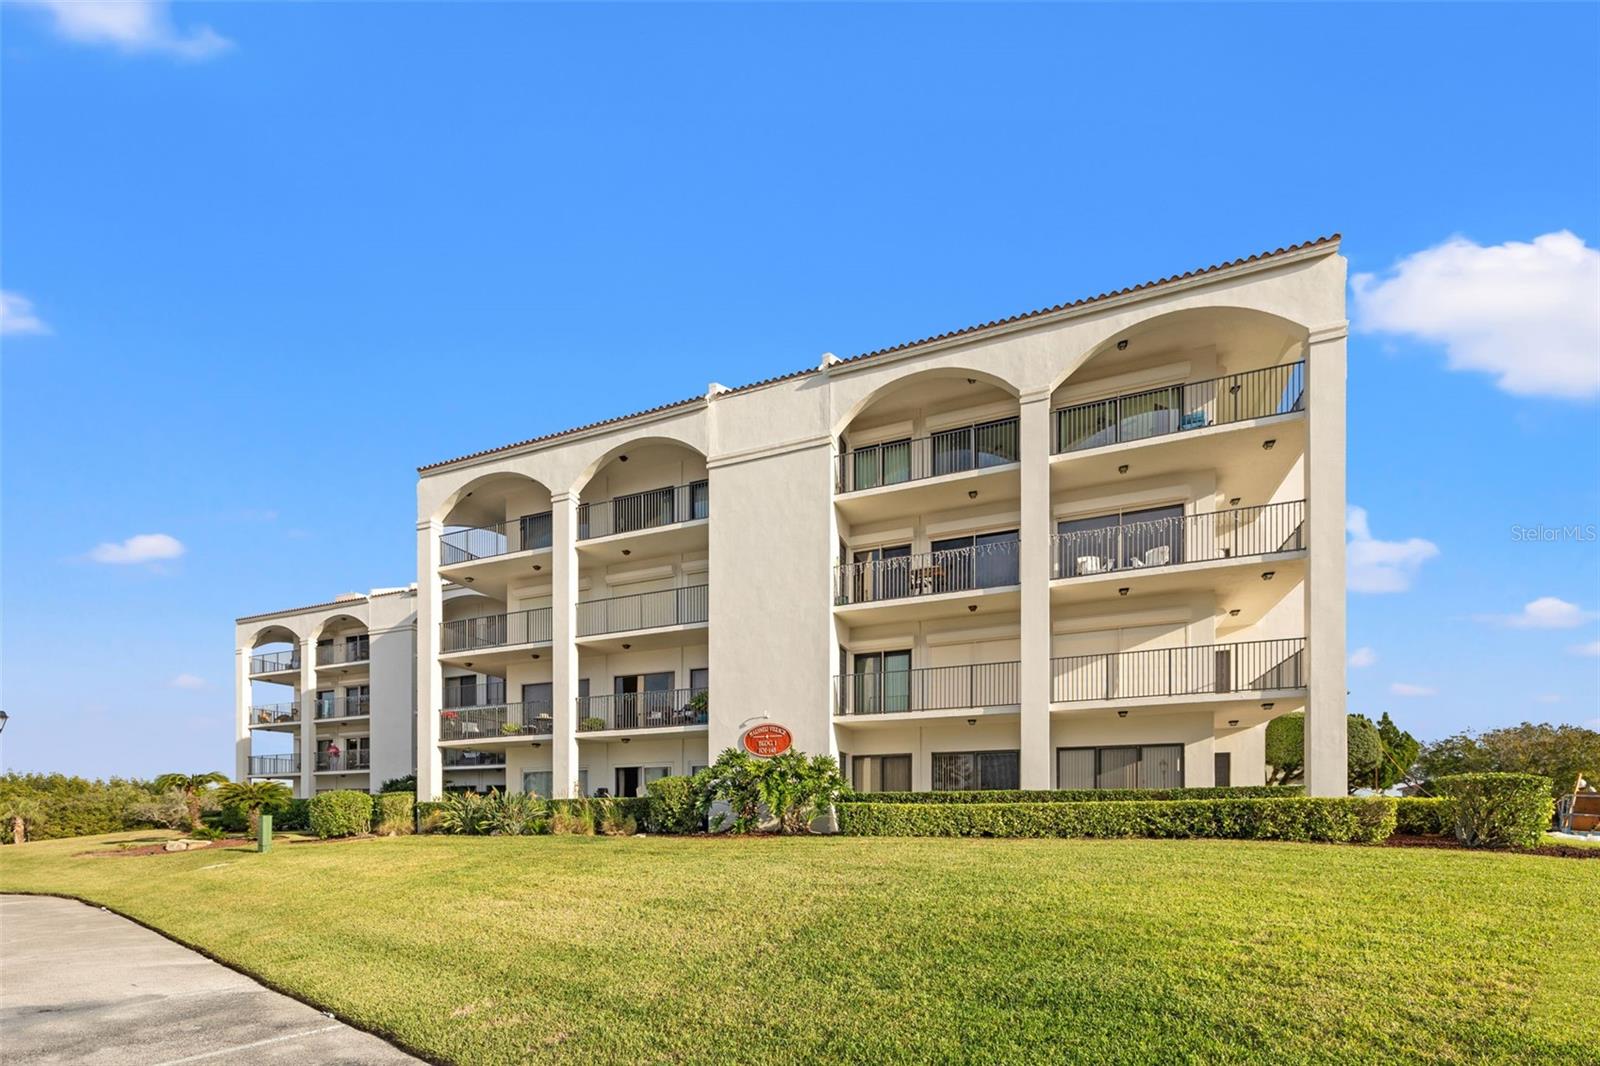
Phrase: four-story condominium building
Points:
(1099, 545)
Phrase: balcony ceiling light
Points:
(1268, 575)
(626, 739)
(972, 721)
(1266, 445)
(627, 551)
(1122, 591)
(1123, 469)
(1122, 714)
(1266, 706)
(622, 458)
(469, 580)
(972, 494)
(1233, 722)
(972, 607)
(625, 647)
(1122, 346)
(1234, 613)
(1231, 503)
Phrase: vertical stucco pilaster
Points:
(430, 678)
(1034, 547)
(563, 643)
(1325, 738)
(241, 707)
(308, 718)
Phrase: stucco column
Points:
(1326, 756)
(1034, 547)
(430, 677)
(241, 702)
(563, 647)
(308, 718)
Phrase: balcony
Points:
(666, 709)
(345, 652)
(266, 716)
(935, 688)
(275, 662)
(664, 521)
(274, 765)
(1163, 674)
(664, 614)
(465, 759)
(946, 581)
(1275, 390)
(344, 763)
(474, 543)
(328, 708)
(488, 632)
(932, 473)
(503, 720)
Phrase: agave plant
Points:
(464, 812)
(515, 814)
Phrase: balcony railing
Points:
(643, 710)
(327, 707)
(1158, 542)
(274, 765)
(273, 662)
(1250, 666)
(345, 761)
(1275, 390)
(949, 451)
(528, 533)
(648, 610)
(344, 651)
(496, 630)
(982, 566)
(461, 759)
(532, 718)
(933, 688)
(645, 510)
(275, 714)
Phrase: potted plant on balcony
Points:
(510, 729)
(697, 706)
(591, 724)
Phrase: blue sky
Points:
(248, 249)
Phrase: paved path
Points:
(82, 985)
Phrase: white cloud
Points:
(131, 26)
(188, 681)
(1590, 650)
(1403, 688)
(1546, 612)
(1524, 312)
(141, 548)
(1363, 657)
(17, 315)
(1381, 565)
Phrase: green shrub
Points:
(790, 789)
(232, 818)
(207, 832)
(573, 817)
(1081, 795)
(393, 813)
(1498, 810)
(672, 804)
(52, 806)
(516, 814)
(428, 816)
(612, 818)
(465, 813)
(343, 813)
(407, 783)
(1342, 820)
(1423, 816)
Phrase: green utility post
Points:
(264, 835)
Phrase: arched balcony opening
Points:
(643, 486)
(930, 425)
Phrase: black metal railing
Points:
(274, 765)
(341, 706)
(344, 761)
(273, 662)
(1275, 390)
(981, 566)
(1247, 666)
(531, 532)
(931, 688)
(647, 610)
(949, 451)
(643, 710)
(462, 759)
(1199, 538)
(344, 651)
(532, 718)
(495, 630)
(645, 510)
(275, 714)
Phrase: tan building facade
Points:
(1099, 545)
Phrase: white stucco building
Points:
(1096, 545)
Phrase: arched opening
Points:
(928, 425)
(274, 711)
(495, 515)
(641, 485)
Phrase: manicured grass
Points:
(601, 950)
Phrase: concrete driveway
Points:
(81, 985)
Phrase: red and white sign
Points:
(767, 741)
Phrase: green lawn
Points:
(563, 949)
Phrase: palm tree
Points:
(21, 812)
(253, 796)
(191, 785)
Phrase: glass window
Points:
(960, 771)
(881, 773)
(536, 783)
(1149, 766)
(882, 682)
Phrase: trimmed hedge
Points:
(393, 813)
(1423, 816)
(1082, 795)
(1340, 820)
(1499, 810)
(342, 813)
(672, 806)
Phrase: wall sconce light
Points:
(973, 494)
(1268, 575)
(1267, 445)
(1122, 346)
(1266, 706)
(1122, 592)
(1234, 613)
(1233, 723)
(1122, 714)
(1123, 469)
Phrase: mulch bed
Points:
(1559, 851)
(237, 843)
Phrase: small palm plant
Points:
(21, 812)
(254, 795)
(190, 785)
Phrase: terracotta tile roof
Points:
(343, 601)
(905, 346)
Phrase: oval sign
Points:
(767, 741)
